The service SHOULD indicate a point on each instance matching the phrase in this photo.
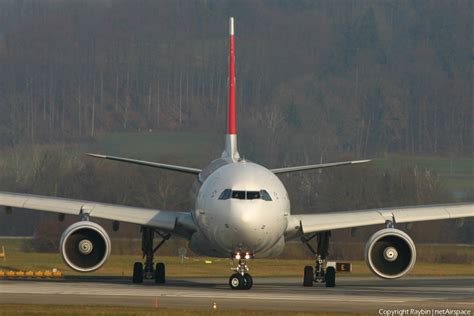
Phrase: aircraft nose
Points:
(247, 217)
(248, 224)
(244, 214)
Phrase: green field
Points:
(441, 165)
(156, 145)
(343, 251)
(197, 267)
(457, 174)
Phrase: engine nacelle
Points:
(85, 246)
(390, 253)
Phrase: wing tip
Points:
(96, 155)
(361, 161)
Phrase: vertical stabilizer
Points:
(231, 133)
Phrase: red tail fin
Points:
(231, 118)
(231, 133)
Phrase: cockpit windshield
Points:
(238, 195)
(253, 195)
(245, 195)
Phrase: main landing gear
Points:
(147, 270)
(241, 280)
(321, 273)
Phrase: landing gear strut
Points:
(320, 273)
(241, 279)
(147, 270)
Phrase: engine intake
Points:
(85, 246)
(390, 253)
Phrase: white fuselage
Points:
(251, 216)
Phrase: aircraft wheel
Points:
(308, 276)
(137, 272)
(160, 273)
(330, 277)
(248, 281)
(236, 281)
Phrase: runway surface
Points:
(368, 295)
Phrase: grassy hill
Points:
(457, 174)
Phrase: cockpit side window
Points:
(253, 195)
(265, 195)
(225, 195)
(238, 195)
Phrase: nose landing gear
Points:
(241, 280)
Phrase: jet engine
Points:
(390, 253)
(85, 246)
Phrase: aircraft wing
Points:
(150, 164)
(311, 223)
(170, 221)
(318, 166)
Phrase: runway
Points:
(367, 295)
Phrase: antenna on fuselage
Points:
(231, 132)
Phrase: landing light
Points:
(238, 255)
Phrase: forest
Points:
(316, 81)
(363, 77)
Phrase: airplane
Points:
(241, 211)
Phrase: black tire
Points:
(330, 277)
(248, 281)
(308, 276)
(137, 273)
(160, 277)
(236, 281)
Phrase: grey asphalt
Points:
(367, 295)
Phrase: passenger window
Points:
(238, 195)
(265, 195)
(253, 195)
(225, 195)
